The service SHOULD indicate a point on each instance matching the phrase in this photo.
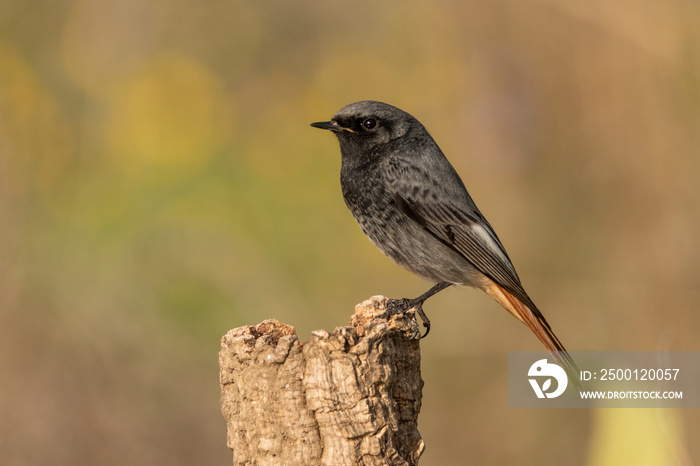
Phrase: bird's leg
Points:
(399, 306)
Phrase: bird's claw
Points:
(424, 318)
(400, 306)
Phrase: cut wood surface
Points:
(344, 398)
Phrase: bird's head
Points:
(362, 126)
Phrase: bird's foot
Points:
(400, 306)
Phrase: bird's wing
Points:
(438, 201)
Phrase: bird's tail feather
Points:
(539, 326)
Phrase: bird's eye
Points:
(369, 123)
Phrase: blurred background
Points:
(160, 184)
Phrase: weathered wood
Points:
(345, 398)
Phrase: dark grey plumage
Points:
(413, 206)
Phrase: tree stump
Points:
(351, 397)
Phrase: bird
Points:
(413, 206)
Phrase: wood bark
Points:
(350, 397)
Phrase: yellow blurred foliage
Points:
(171, 116)
(35, 147)
(636, 437)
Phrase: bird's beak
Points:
(330, 125)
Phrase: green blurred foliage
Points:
(159, 184)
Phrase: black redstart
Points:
(413, 206)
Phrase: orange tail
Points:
(537, 323)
